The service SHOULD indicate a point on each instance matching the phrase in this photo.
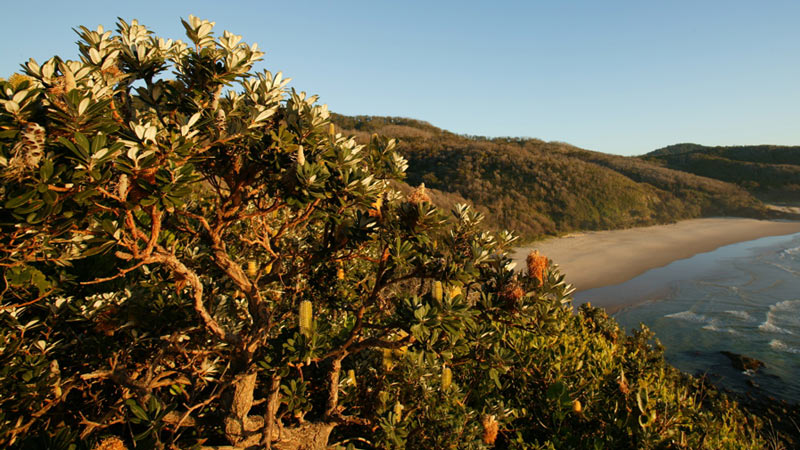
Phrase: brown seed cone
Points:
(27, 153)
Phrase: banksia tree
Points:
(193, 257)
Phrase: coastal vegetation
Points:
(769, 172)
(193, 256)
(543, 188)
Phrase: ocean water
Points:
(742, 298)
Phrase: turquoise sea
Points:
(742, 298)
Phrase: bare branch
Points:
(162, 256)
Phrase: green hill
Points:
(769, 172)
(540, 188)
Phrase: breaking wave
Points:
(781, 346)
(791, 252)
(690, 316)
(782, 317)
(711, 323)
(743, 315)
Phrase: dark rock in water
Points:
(742, 362)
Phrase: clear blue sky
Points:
(617, 77)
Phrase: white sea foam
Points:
(782, 317)
(713, 327)
(785, 268)
(711, 323)
(690, 316)
(744, 315)
(781, 346)
(769, 327)
(792, 252)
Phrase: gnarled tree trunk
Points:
(245, 431)
(308, 436)
(241, 429)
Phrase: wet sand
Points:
(604, 258)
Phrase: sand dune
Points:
(603, 258)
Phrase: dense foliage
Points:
(186, 266)
(539, 188)
(768, 171)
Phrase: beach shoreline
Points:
(596, 259)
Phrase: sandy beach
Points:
(603, 258)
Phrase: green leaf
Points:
(83, 144)
(33, 206)
(137, 410)
(33, 218)
(143, 435)
(75, 150)
(149, 201)
(108, 226)
(83, 196)
(102, 248)
(50, 197)
(20, 200)
(98, 142)
(46, 171)
(495, 376)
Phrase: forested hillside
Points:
(538, 187)
(770, 172)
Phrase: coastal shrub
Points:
(194, 257)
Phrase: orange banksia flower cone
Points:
(110, 443)
(536, 265)
(375, 211)
(490, 429)
(419, 195)
(512, 292)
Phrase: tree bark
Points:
(272, 409)
(308, 436)
(333, 387)
(240, 429)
